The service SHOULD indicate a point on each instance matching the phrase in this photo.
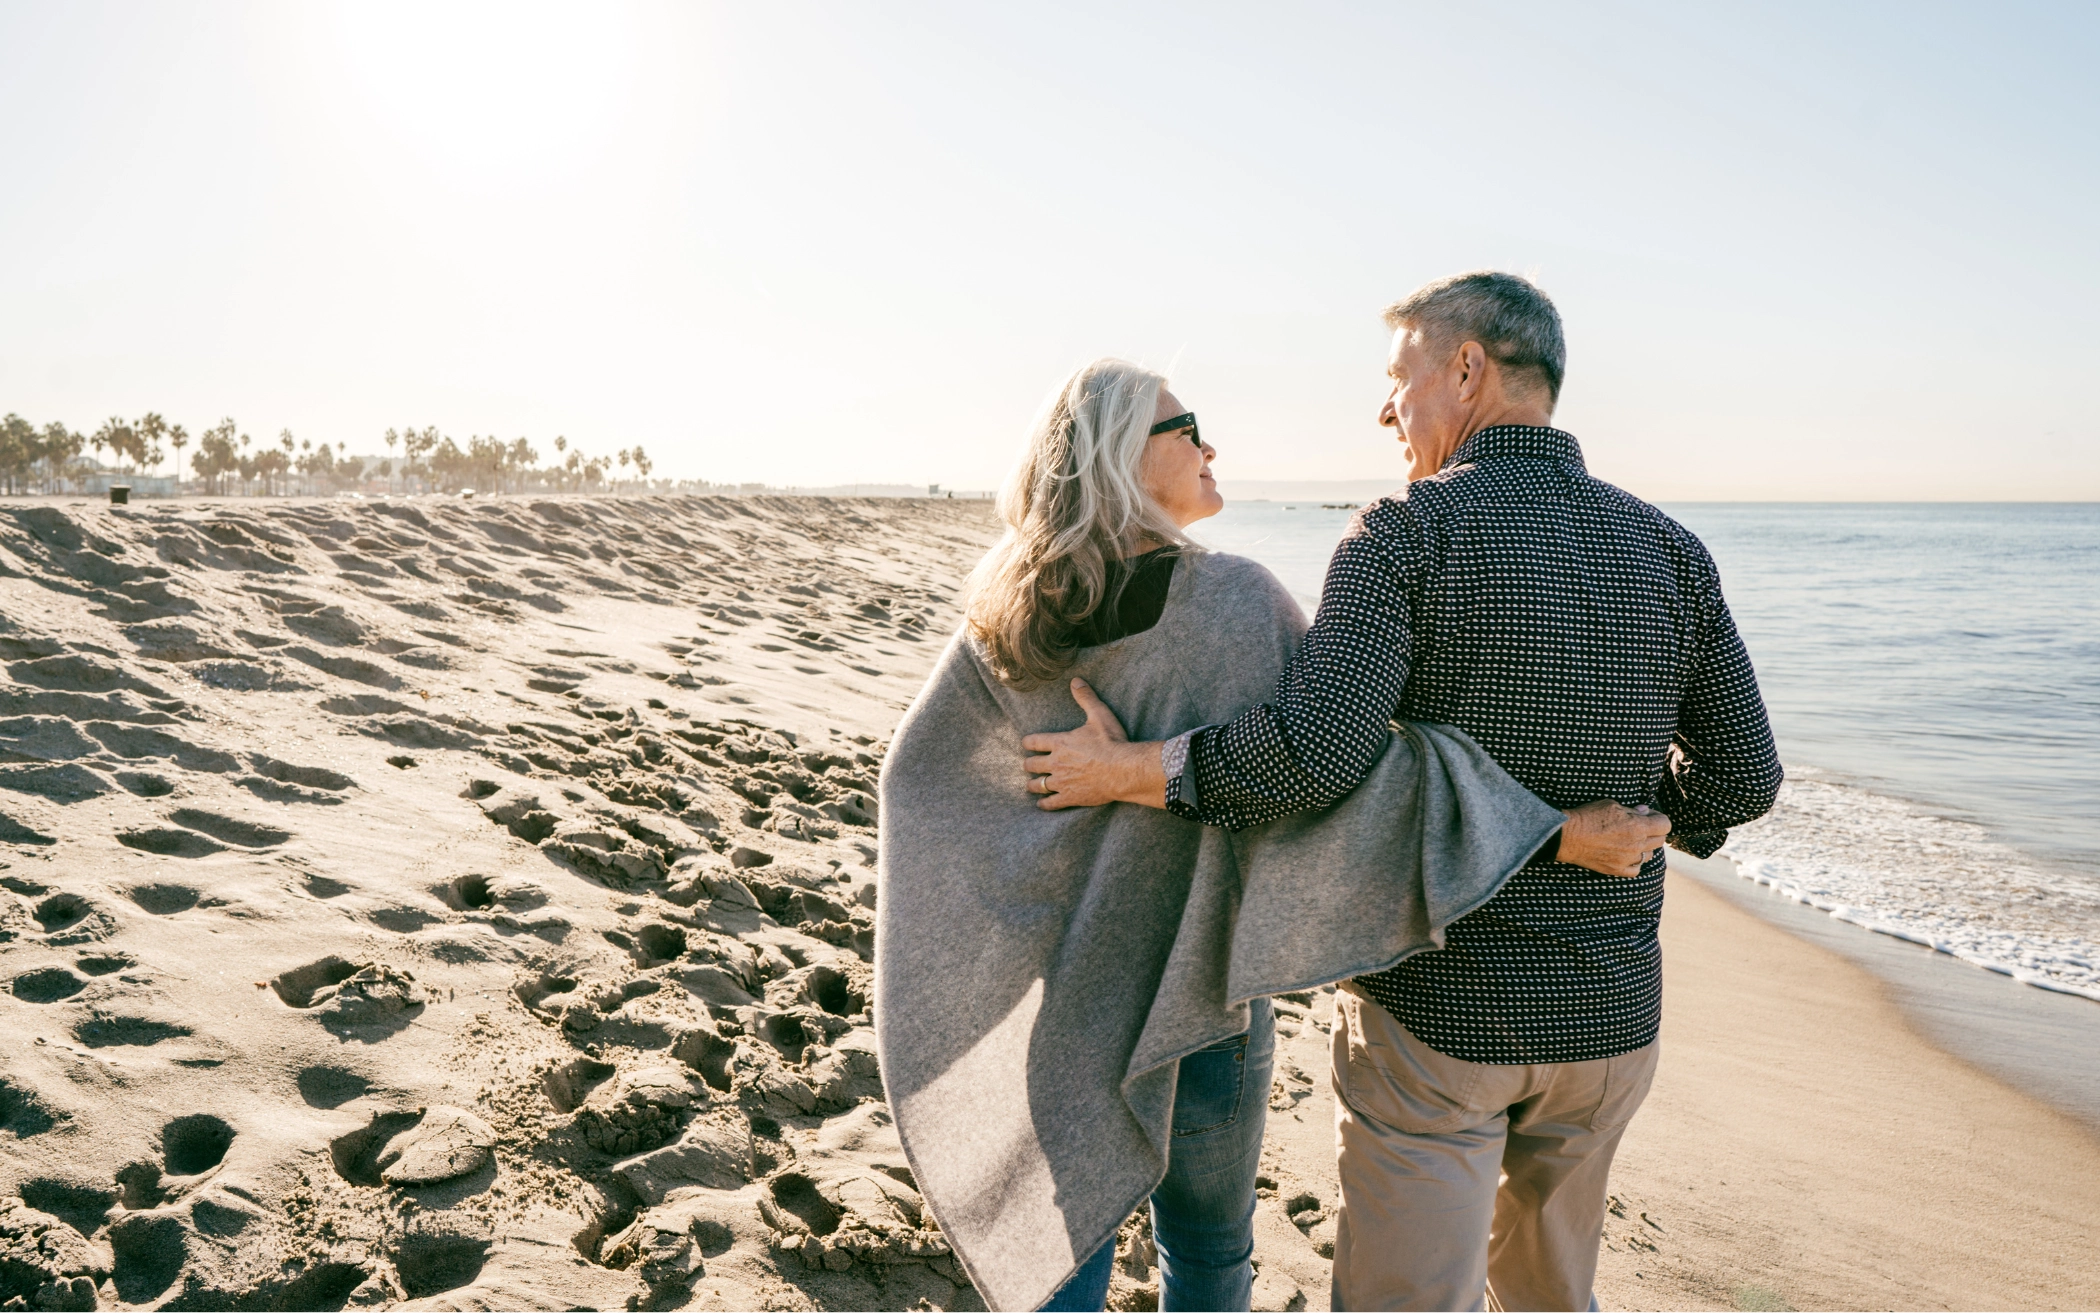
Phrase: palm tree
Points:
(151, 428)
(59, 445)
(178, 438)
(122, 440)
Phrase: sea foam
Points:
(1896, 869)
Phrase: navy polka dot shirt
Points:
(1580, 636)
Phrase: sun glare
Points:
(486, 91)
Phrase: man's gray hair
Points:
(1513, 321)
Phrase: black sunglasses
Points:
(1185, 420)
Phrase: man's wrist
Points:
(1144, 776)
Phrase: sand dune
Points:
(456, 902)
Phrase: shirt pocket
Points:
(1394, 1078)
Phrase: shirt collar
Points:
(1502, 441)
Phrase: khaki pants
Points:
(1464, 1182)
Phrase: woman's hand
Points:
(1612, 840)
(1094, 764)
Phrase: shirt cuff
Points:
(1174, 764)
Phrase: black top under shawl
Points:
(1144, 581)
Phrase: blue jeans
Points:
(1203, 1212)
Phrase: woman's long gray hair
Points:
(1076, 502)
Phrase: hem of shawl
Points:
(1382, 965)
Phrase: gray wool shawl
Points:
(1039, 974)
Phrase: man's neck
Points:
(1524, 414)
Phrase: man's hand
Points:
(1094, 764)
(1610, 839)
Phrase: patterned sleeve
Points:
(1322, 730)
(1724, 767)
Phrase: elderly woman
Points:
(1072, 1006)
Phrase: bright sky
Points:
(1807, 252)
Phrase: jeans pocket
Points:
(1209, 1087)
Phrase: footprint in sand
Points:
(298, 986)
(568, 1085)
(330, 1087)
(331, 625)
(74, 673)
(401, 920)
(145, 784)
(414, 1148)
(102, 1031)
(356, 669)
(281, 781)
(63, 784)
(651, 944)
(163, 899)
(229, 829)
(132, 742)
(200, 830)
(80, 1205)
(148, 1250)
(467, 893)
(433, 1263)
(22, 1113)
(13, 831)
(351, 995)
(46, 985)
(194, 1145)
(71, 919)
(163, 842)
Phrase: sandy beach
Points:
(467, 904)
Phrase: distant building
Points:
(141, 485)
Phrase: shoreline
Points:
(2040, 1040)
(1810, 1143)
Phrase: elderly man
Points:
(1580, 636)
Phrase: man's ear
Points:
(1472, 371)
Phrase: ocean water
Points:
(1933, 676)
